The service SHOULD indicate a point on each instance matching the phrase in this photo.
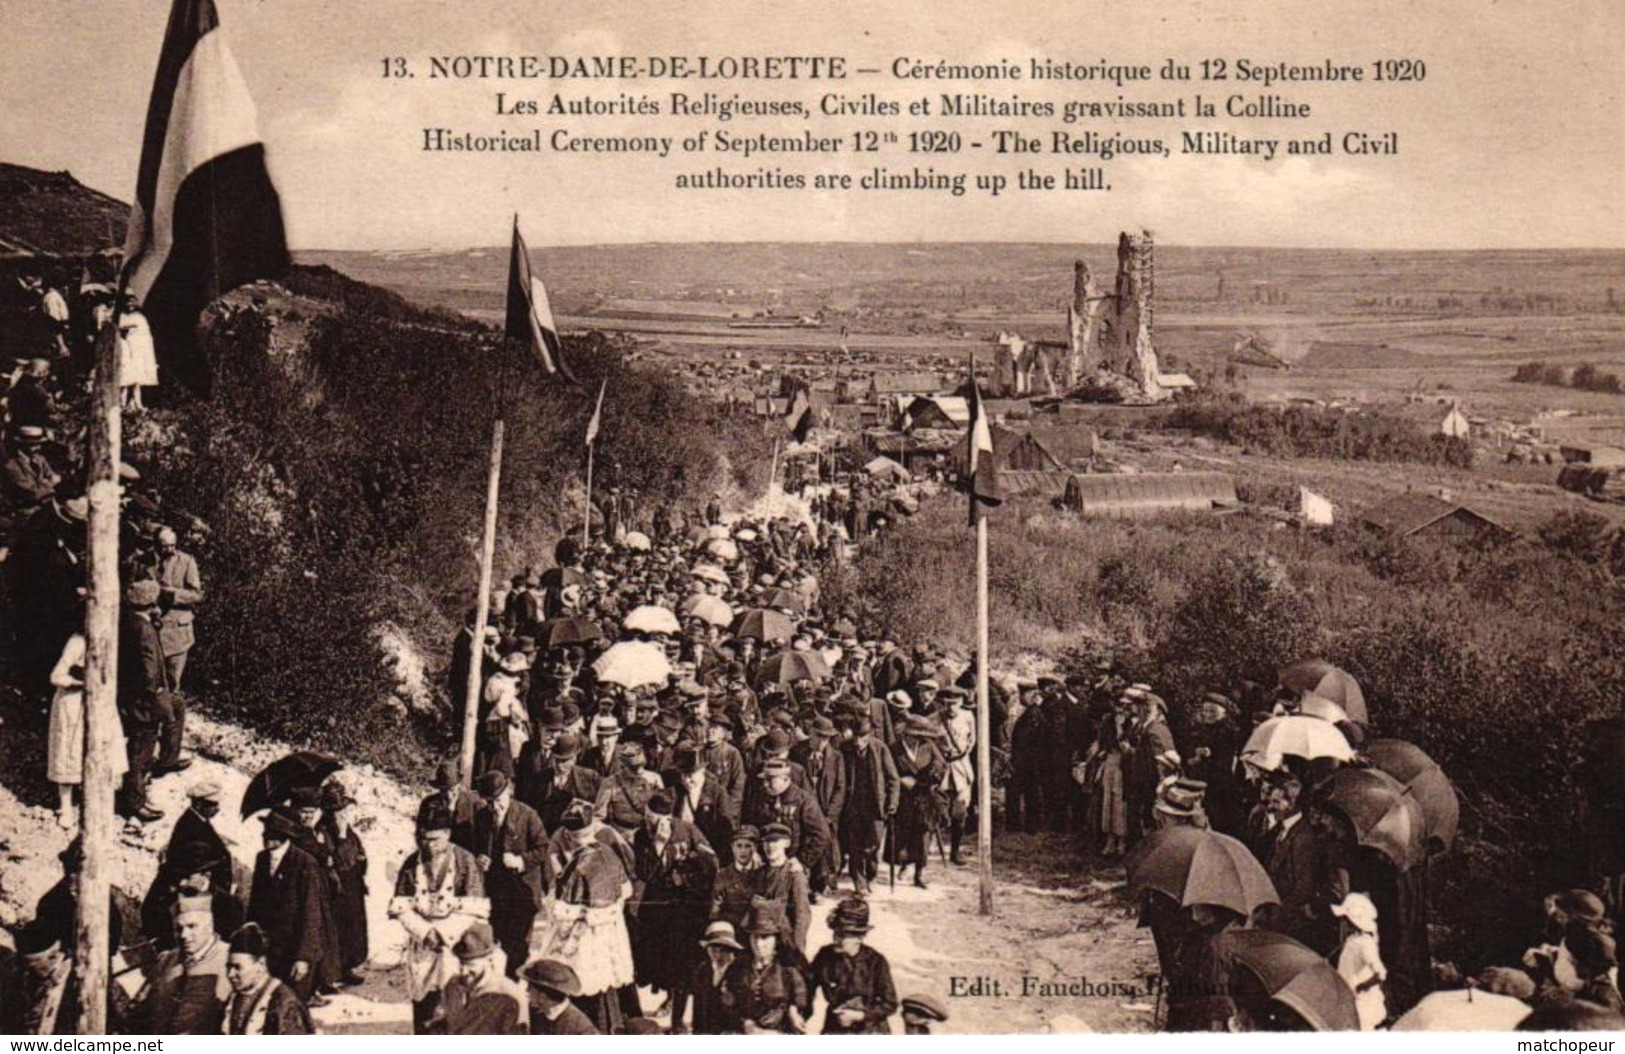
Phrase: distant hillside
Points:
(1345, 355)
(51, 213)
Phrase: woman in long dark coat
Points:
(922, 806)
(350, 867)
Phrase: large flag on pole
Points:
(798, 418)
(206, 217)
(981, 474)
(530, 315)
(597, 413)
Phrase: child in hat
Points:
(854, 978)
(1359, 962)
(920, 1012)
(721, 948)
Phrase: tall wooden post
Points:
(984, 722)
(586, 511)
(92, 952)
(476, 665)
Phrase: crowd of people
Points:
(681, 754)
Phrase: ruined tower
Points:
(1127, 346)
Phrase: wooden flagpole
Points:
(92, 952)
(476, 666)
(984, 753)
(586, 512)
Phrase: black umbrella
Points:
(564, 632)
(299, 769)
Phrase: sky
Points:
(1515, 139)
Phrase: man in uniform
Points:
(177, 576)
(143, 696)
(781, 802)
(958, 717)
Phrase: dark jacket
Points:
(871, 784)
(826, 771)
(795, 808)
(862, 981)
(290, 905)
(522, 833)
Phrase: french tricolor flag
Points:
(981, 472)
(206, 217)
(530, 315)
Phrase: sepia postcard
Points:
(954, 518)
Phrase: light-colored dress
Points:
(1360, 963)
(65, 734)
(137, 357)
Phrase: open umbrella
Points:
(784, 600)
(556, 578)
(1295, 976)
(565, 632)
(1384, 815)
(763, 624)
(708, 608)
(632, 664)
(1319, 677)
(716, 530)
(1196, 866)
(1325, 709)
(723, 549)
(651, 618)
(1463, 1010)
(787, 667)
(1297, 736)
(302, 768)
(711, 573)
(1422, 776)
(637, 541)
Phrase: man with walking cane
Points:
(872, 789)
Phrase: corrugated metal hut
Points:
(1123, 495)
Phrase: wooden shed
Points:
(1123, 495)
(1425, 515)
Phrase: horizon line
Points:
(918, 243)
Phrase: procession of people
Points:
(683, 755)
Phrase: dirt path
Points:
(1055, 922)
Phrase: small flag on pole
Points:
(530, 316)
(206, 216)
(597, 413)
(981, 474)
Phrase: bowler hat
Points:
(279, 825)
(822, 726)
(476, 942)
(446, 774)
(491, 783)
(687, 759)
(552, 976)
(306, 797)
(661, 803)
(568, 745)
(191, 857)
(551, 717)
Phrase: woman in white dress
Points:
(65, 735)
(137, 357)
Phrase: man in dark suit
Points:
(462, 802)
(871, 799)
(512, 849)
(567, 781)
(826, 771)
(196, 828)
(701, 800)
(1299, 866)
(288, 901)
(724, 761)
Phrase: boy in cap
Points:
(260, 1004)
(783, 880)
(920, 1012)
(854, 978)
(479, 1000)
(552, 985)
